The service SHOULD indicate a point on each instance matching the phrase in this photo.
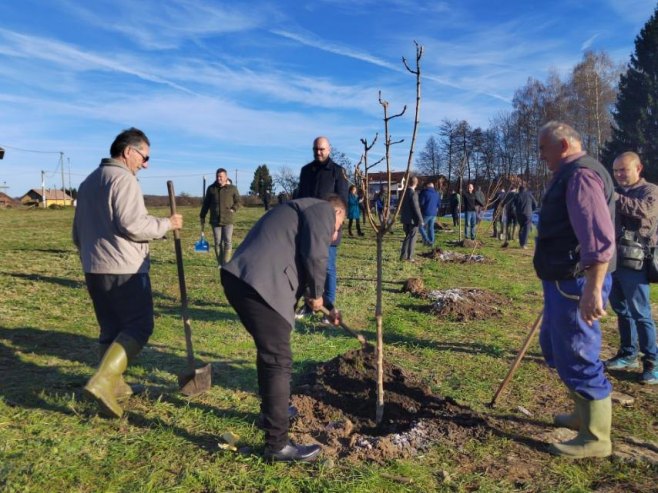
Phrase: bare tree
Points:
(383, 224)
(287, 180)
(429, 159)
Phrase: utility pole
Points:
(236, 177)
(43, 188)
(70, 189)
(61, 165)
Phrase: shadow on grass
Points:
(29, 384)
(61, 281)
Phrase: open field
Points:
(52, 440)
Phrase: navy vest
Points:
(557, 252)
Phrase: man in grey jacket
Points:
(111, 230)
(411, 218)
(283, 256)
(637, 216)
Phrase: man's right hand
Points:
(315, 303)
(176, 221)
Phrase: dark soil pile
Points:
(336, 404)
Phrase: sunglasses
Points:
(145, 158)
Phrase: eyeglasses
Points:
(145, 158)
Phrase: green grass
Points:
(52, 440)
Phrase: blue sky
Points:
(238, 84)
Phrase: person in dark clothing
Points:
(510, 215)
(317, 179)
(411, 218)
(283, 256)
(524, 204)
(471, 201)
(455, 207)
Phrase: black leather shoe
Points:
(292, 414)
(292, 452)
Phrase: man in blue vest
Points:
(574, 257)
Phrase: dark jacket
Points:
(557, 253)
(410, 210)
(285, 252)
(429, 200)
(524, 203)
(318, 180)
(472, 201)
(637, 211)
(222, 202)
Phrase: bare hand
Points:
(176, 221)
(591, 305)
(335, 317)
(315, 303)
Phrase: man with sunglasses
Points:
(111, 230)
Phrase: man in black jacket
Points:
(525, 204)
(318, 179)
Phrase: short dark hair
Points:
(336, 200)
(130, 137)
(220, 170)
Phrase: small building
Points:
(7, 201)
(34, 197)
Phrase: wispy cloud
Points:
(166, 24)
(588, 42)
(63, 54)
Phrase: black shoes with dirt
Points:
(292, 452)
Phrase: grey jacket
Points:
(111, 226)
(285, 252)
(637, 211)
(410, 211)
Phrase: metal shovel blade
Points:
(195, 382)
(202, 245)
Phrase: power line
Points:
(29, 150)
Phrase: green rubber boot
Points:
(122, 390)
(102, 385)
(572, 420)
(593, 439)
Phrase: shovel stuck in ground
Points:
(192, 381)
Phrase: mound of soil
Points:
(415, 286)
(464, 304)
(449, 256)
(336, 404)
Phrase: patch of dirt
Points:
(454, 257)
(415, 286)
(464, 304)
(336, 405)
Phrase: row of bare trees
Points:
(509, 146)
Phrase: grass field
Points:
(51, 440)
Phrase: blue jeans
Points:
(330, 282)
(629, 299)
(469, 224)
(525, 225)
(570, 345)
(427, 231)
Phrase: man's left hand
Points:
(335, 317)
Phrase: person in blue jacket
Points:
(430, 201)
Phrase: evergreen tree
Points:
(636, 111)
(262, 182)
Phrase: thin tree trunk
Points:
(379, 410)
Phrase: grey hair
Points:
(559, 130)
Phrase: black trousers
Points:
(271, 334)
(123, 303)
